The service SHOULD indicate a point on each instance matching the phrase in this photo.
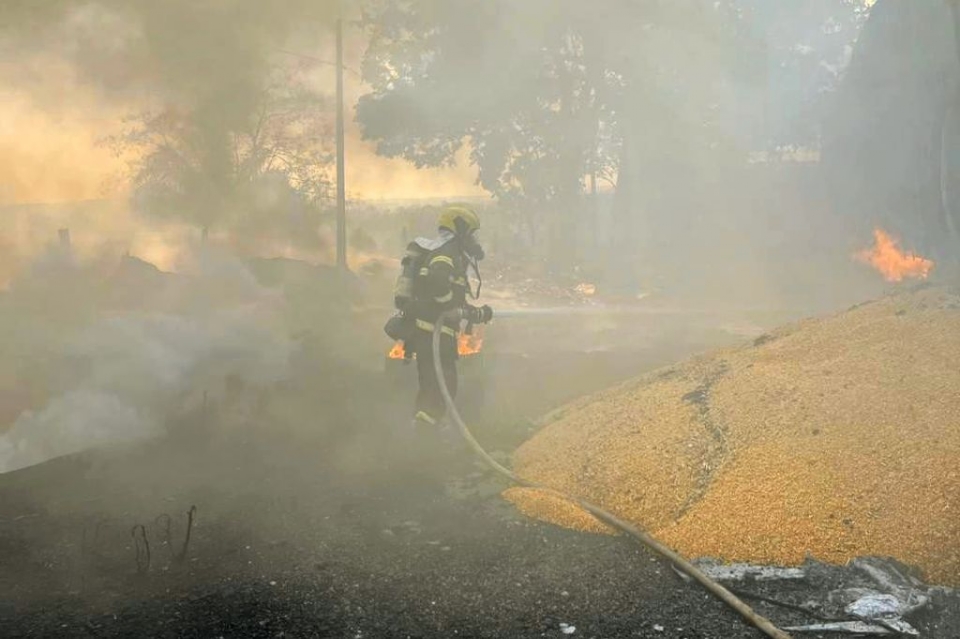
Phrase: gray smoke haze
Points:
(891, 136)
(701, 121)
(738, 149)
(179, 49)
(206, 65)
(123, 376)
(135, 368)
(116, 362)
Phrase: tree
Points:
(666, 100)
(807, 45)
(262, 170)
(890, 145)
(544, 92)
(232, 139)
(507, 78)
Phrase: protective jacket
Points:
(441, 283)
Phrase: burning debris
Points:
(530, 286)
(397, 352)
(586, 289)
(891, 262)
(470, 343)
(467, 344)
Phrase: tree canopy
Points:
(265, 172)
(654, 97)
(236, 134)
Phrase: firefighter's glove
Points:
(478, 314)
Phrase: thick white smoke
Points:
(124, 376)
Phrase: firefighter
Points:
(441, 284)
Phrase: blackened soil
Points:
(393, 552)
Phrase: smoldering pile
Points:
(833, 438)
(104, 354)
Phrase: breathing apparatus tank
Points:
(403, 290)
(401, 325)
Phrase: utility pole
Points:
(595, 210)
(341, 179)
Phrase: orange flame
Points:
(466, 345)
(586, 289)
(470, 344)
(892, 263)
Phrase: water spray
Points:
(593, 310)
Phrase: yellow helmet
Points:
(459, 219)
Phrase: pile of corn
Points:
(833, 438)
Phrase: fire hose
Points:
(635, 533)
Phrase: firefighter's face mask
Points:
(471, 246)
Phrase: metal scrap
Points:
(741, 571)
(850, 628)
